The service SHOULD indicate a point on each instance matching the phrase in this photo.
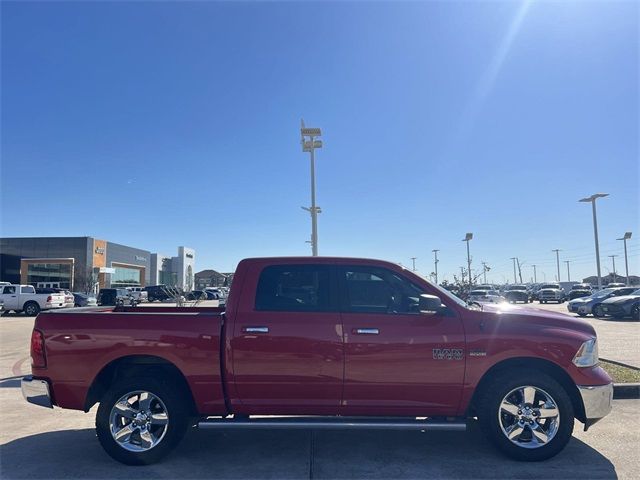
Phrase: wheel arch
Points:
(530, 363)
(136, 365)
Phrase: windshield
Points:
(602, 293)
(449, 295)
(516, 287)
(636, 292)
(550, 286)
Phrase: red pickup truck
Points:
(321, 343)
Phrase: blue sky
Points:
(164, 124)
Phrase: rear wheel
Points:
(582, 314)
(527, 415)
(635, 312)
(31, 309)
(140, 420)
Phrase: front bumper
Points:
(597, 401)
(36, 391)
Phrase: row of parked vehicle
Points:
(31, 300)
(615, 300)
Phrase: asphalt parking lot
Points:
(40, 443)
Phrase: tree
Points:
(85, 280)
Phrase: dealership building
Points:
(87, 263)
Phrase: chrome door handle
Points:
(367, 331)
(256, 329)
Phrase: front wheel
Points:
(527, 415)
(597, 311)
(140, 420)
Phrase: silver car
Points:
(593, 303)
(84, 300)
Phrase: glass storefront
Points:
(126, 277)
(50, 273)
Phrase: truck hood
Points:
(540, 317)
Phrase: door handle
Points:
(367, 331)
(256, 329)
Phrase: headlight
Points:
(587, 355)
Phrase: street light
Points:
(568, 272)
(467, 238)
(309, 144)
(435, 253)
(557, 261)
(413, 259)
(626, 237)
(593, 199)
(535, 276)
(613, 259)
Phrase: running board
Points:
(334, 423)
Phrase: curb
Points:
(626, 391)
(620, 364)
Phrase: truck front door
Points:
(10, 297)
(286, 342)
(397, 360)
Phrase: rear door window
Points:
(296, 288)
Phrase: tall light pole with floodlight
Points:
(435, 262)
(515, 279)
(467, 238)
(568, 271)
(626, 237)
(413, 259)
(592, 199)
(535, 276)
(309, 144)
(557, 250)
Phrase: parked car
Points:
(139, 294)
(157, 293)
(115, 296)
(551, 292)
(368, 343)
(623, 306)
(84, 300)
(593, 303)
(201, 295)
(23, 298)
(516, 293)
(68, 296)
(580, 290)
(485, 296)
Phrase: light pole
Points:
(613, 259)
(568, 272)
(435, 262)
(626, 237)
(467, 238)
(535, 277)
(515, 279)
(309, 144)
(593, 199)
(557, 250)
(413, 259)
(485, 269)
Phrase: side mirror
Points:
(429, 304)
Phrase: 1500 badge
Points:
(448, 354)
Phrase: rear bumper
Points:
(597, 401)
(36, 391)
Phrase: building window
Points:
(126, 277)
(58, 274)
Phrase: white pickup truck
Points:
(23, 298)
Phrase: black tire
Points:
(582, 314)
(596, 311)
(172, 399)
(490, 415)
(31, 309)
(635, 312)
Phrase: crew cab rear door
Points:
(397, 360)
(286, 342)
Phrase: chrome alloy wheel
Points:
(529, 417)
(138, 421)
